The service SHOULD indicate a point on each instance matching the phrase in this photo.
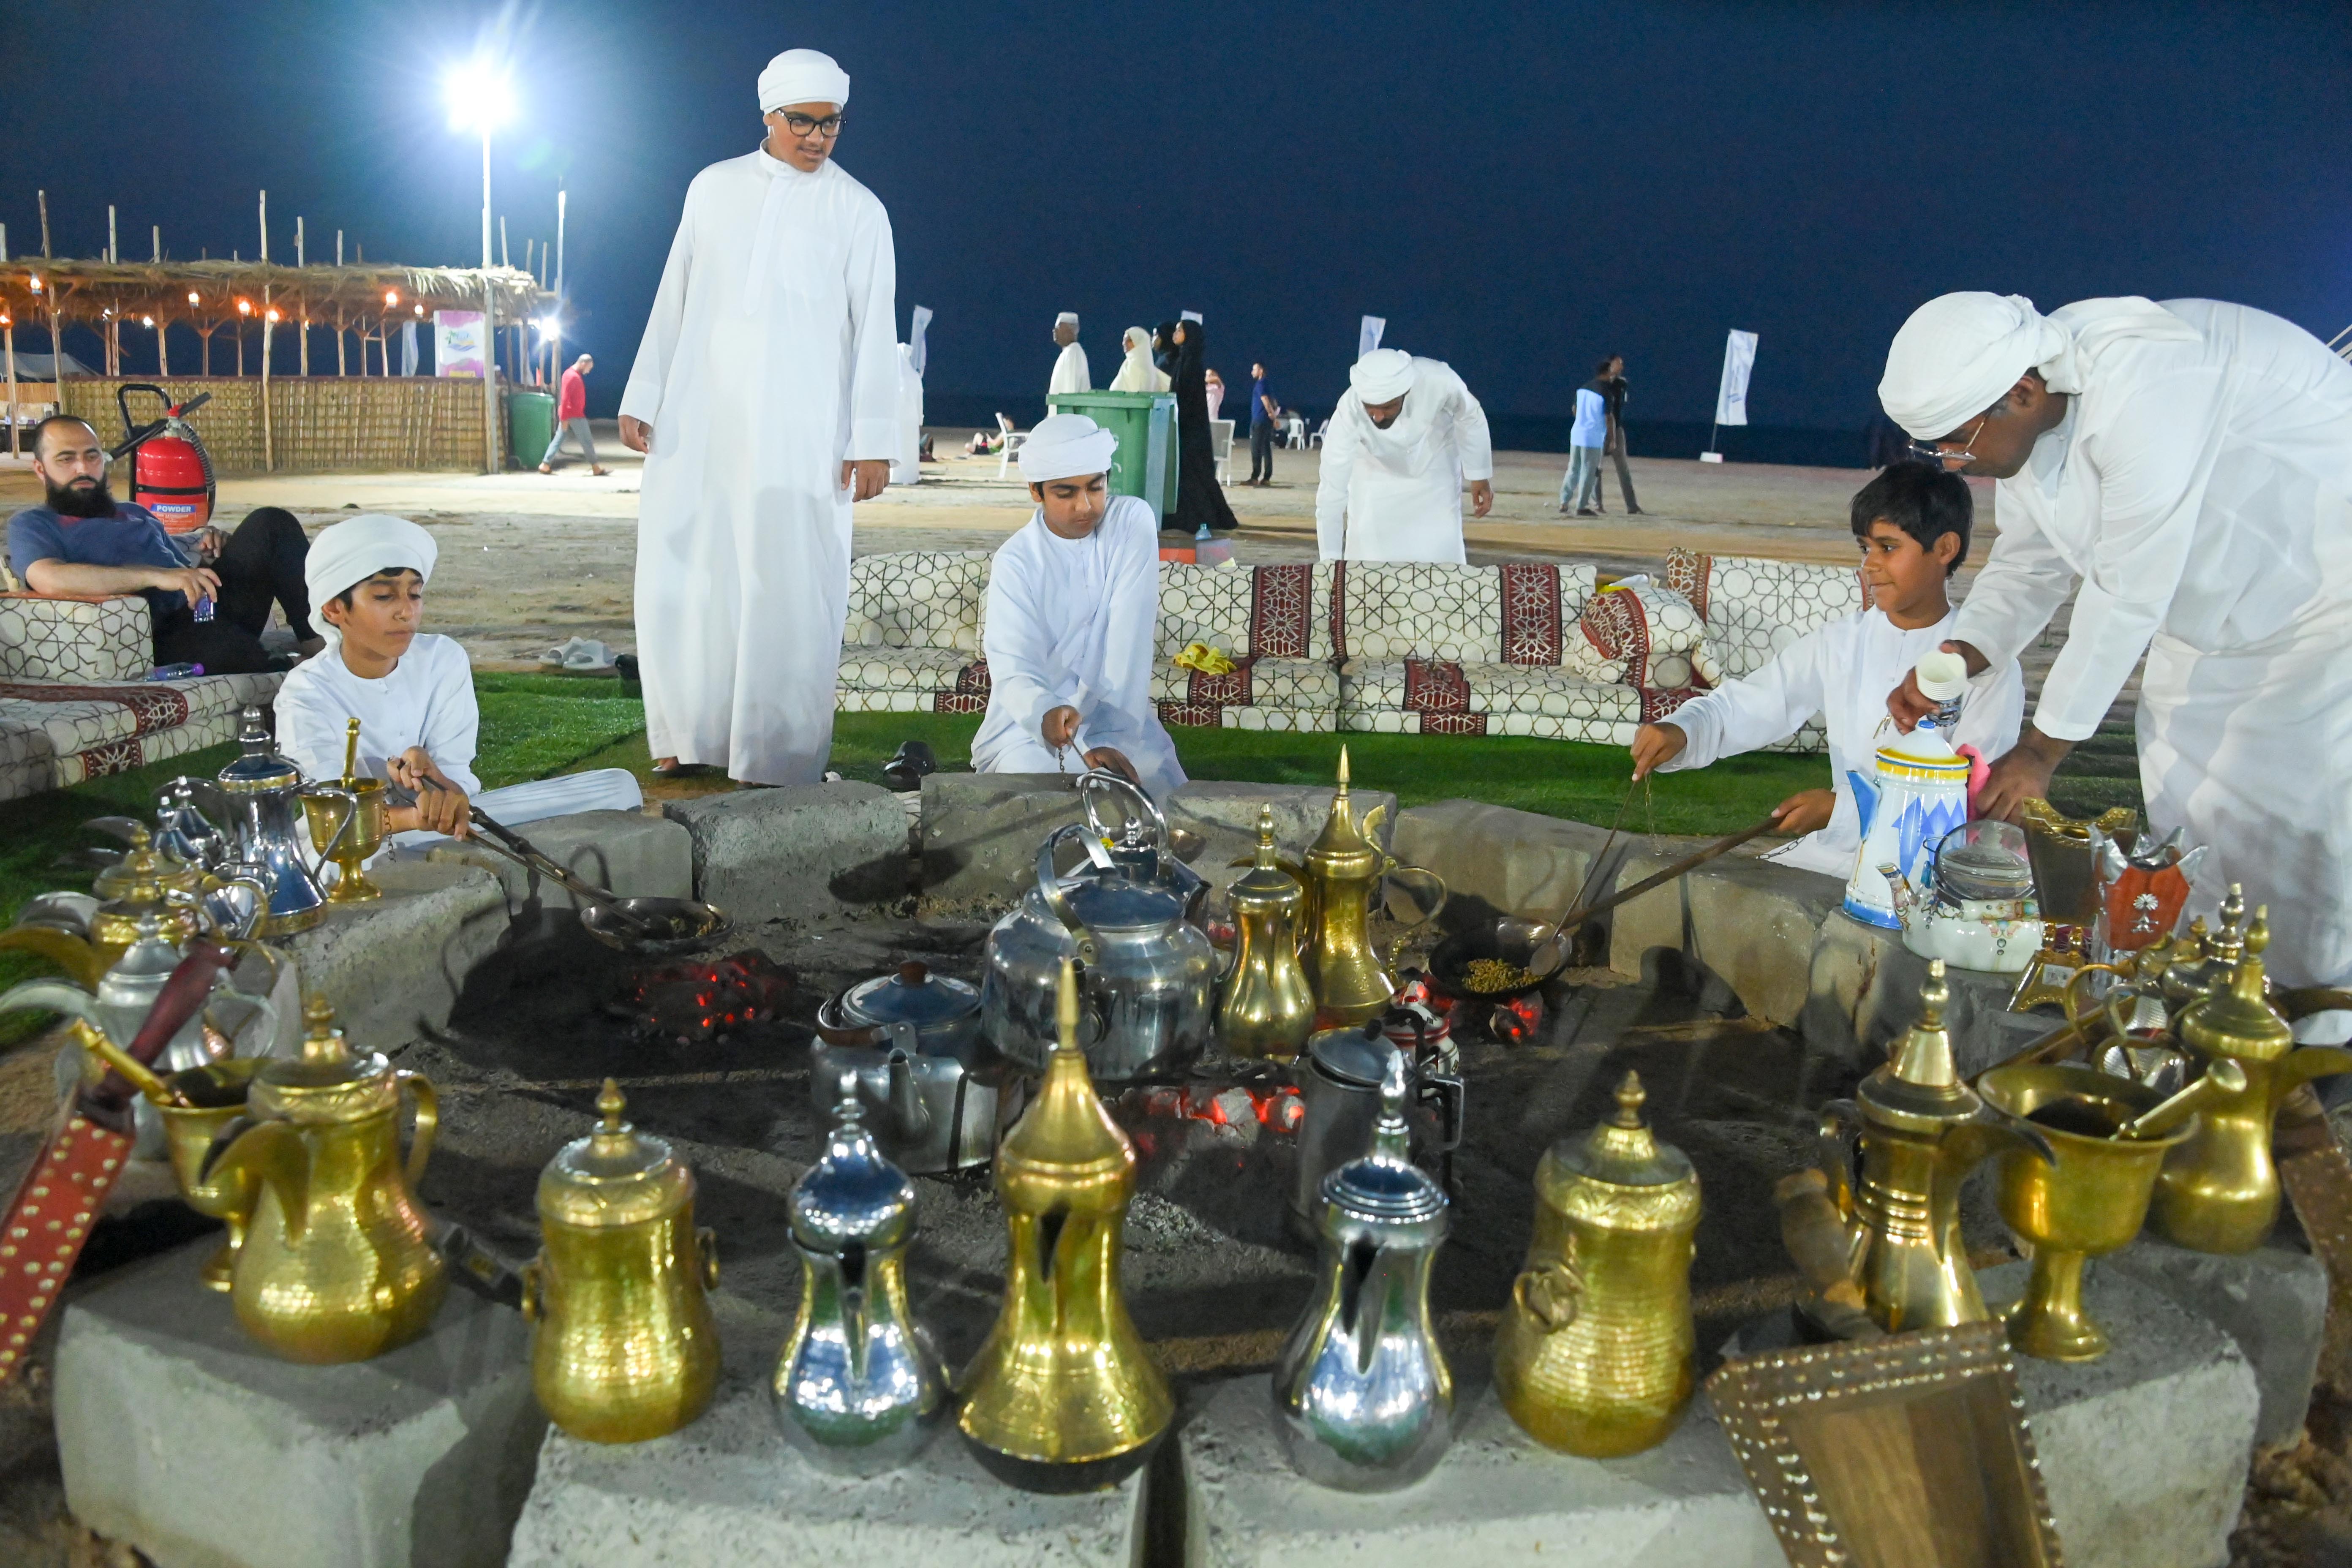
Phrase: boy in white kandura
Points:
(1913, 523)
(412, 693)
(1073, 606)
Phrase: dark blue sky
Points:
(1517, 188)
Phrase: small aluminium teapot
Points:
(335, 1265)
(858, 1388)
(1363, 1399)
(626, 1348)
(1594, 1352)
(911, 1042)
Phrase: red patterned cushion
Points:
(1530, 612)
(1281, 611)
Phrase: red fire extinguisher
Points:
(169, 474)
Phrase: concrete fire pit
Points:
(1737, 994)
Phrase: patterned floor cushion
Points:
(1264, 612)
(869, 668)
(1753, 608)
(85, 641)
(917, 599)
(1442, 697)
(52, 735)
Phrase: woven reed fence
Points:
(317, 424)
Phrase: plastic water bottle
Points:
(175, 673)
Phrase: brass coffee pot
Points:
(625, 1348)
(1268, 1009)
(335, 1265)
(1063, 1397)
(1344, 869)
(1593, 1356)
(2219, 1190)
(1921, 1131)
(143, 883)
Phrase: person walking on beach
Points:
(1581, 486)
(571, 417)
(1200, 499)
(1071, 373)
(1614, 395)
(1266, 422)
(766, 397)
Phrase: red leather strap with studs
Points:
(48, 1222)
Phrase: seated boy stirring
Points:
(1913, 521)
(1072, 607)
(412, 693)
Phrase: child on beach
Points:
(1913, 523)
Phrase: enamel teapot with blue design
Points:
(1920, 795)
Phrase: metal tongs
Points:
(501, 839)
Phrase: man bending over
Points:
(1073, 603)
(81, 542)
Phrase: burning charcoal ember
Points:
(698, 1001)
(1515, 1022)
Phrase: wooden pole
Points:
(339, 368)
(555, 339)
(57, 348)
(114, 315)
(8, 350)
(303, 329)
(489, 375)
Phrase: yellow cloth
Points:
(1208, 661)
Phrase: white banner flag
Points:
(1368, 336)
(918, 352)
(1738, 359)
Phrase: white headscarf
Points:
(1383, 376)
(1137, 373)
(802, 76)
(1063, 447)
(356, 549)
(1960, 353)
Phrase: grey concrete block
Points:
(799, 852)
(394, 968)
(182, 1437)
(1862, 990)
(2145, 1450)
(1738, 928)
(624, 852)
(1496, 1497)
(2143, 1453)
(2271, 1300)
(1497, 861)
(728, 1489)
(1225, 814)
(981, 833)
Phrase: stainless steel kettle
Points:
(909, 1044)
(1126, 916)
(1339, 1077)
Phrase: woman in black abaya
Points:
(1199, 498)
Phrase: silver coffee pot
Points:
(858, 1388)
(1127, 915)
(1363, 1399)
(1340, 1075)
(260, 793)
(909, 1044)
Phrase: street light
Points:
(481, 99)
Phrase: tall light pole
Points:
(480, 98)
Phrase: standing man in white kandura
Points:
(2189, 464)
(766, 397)
(1071, 371)
(1397, 450)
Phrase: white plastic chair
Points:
(1294, 431)
(1014, 441)
(1221, 447)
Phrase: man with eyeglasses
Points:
(2189, 464)
(766, 397)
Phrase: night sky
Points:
(1518, 189)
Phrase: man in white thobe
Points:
(1073, 610)
(1397, 451)
(2189, 464)
(1071, 371)
(765, 396)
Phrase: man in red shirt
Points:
(572, 416)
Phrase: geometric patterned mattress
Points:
(54, 735)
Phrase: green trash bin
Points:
(1145, 424)
(531, 426)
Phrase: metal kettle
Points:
(1064, 1396)
(624, 1347)
(1363, 1399)
(1593, 1356)
(335, 1265)
(858, 1388)
(2218, 1191)
(261, 794)
(1344, 871)
(1340, 1076)
(910, 1044)
(1920, 1132)
(1127, 915)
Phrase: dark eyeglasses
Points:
(800, 125)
